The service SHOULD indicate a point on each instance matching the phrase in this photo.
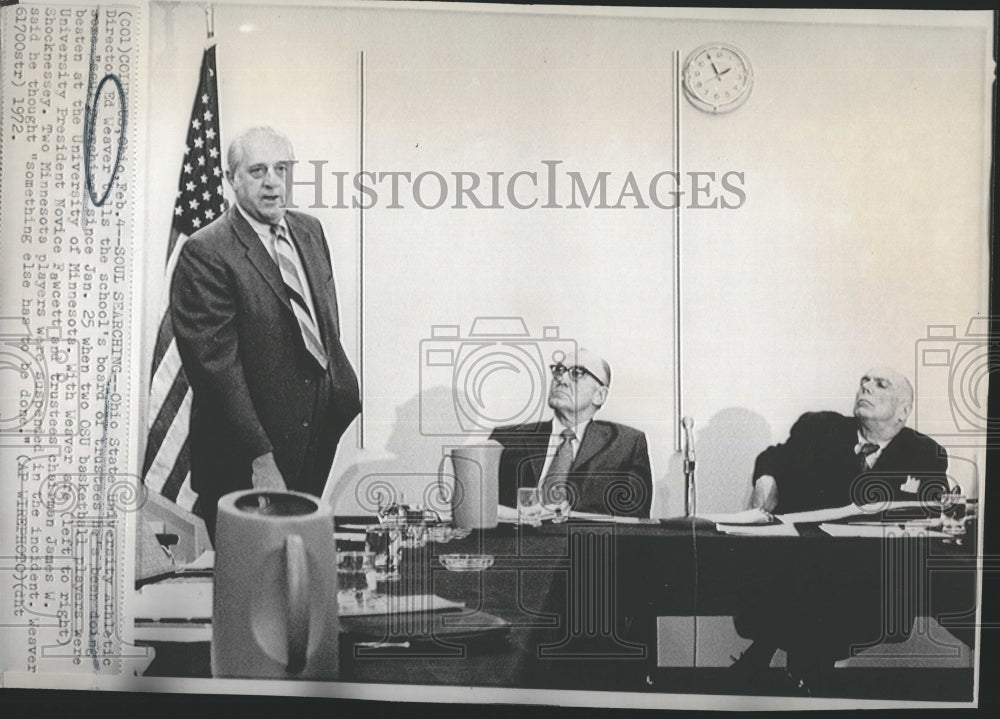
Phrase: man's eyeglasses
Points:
(576, 373)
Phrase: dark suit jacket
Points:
(817, 467)
(813, 611)
(610, 474)
(256, 388)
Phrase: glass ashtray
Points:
(466, 562)
(445, 533)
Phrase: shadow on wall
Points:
(725, 451)
(409, 474)
(725, 448)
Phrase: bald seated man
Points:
(576, 460)
(831, 460)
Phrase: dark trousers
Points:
(316, 461)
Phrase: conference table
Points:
(576, 606)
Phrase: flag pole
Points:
(199, 200)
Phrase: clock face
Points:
(717, 78)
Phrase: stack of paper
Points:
(880, 531)
(851, 510)
(591, 517)
(203, 563)
(759, 530)
(399, 604)
(749, 516)
(175, 600)
(509, 515)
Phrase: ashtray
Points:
(443, 533)
(466, 562)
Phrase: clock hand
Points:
(714, 69)
(720, 74)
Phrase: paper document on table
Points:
(178, 600)
(399, 604)
(851, 510)
(820, 515)
(759, 530)
(876, 507)
(591, 517)
(747, 516)
(508, 515)
(203, 562)
(880, 530)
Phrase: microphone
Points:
(689, 494)
(688, 425)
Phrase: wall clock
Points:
(717, 77)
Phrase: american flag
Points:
(166, 467)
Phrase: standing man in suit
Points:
(596, 466)
(831, 461)
(254, 310)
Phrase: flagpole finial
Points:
(210, 21)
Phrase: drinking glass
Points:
(355, 577)
(385, 541)
(953, 506)
(414, 535)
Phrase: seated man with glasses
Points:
(586, 464)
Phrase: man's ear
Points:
(229, 177)
(600, 397)
(903, 411)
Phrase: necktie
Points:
(553, 490)
(295, 287)
(866, 449)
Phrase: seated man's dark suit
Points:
(256, 387)
(815, 613)
(610, 473)
(817, 467)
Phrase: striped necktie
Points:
(866, 449)
(553, 485)
(295, 287)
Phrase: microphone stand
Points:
(689, 462)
